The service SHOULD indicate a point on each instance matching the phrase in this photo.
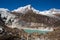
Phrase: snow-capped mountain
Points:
(17, 16)
(22, 9)
(27, 8)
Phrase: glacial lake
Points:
(38, 31)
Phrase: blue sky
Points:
(37, 4)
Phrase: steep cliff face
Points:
(37, 18)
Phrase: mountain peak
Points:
(28, 6)
(54, 11)
(22, 9)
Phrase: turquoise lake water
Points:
(38, 31)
